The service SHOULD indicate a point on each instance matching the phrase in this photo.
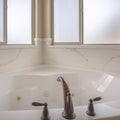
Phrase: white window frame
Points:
(5, 23)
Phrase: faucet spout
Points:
(68, 104)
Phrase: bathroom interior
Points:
(76, 41)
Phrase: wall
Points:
(18, 57)
(13, 59)
(103, 58)
(99, 58)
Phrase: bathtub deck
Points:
(46, 70)
(103, 112)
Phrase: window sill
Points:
(90, 46)
(17, 46)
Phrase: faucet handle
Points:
(45, 114)
(38, 104)
(90, 110)
(97, 99)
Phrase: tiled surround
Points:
(18, 57)
(100, 58)
(103, 58)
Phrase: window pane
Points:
(101, 21)
(19, 21)
(66, 20)
(1, 20)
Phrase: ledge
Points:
(103, 112)
(85, 46)
(37, 43)
(17, 46)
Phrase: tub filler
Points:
(17, 92)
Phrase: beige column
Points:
(43, 18)
(39, 12)
(47, 19)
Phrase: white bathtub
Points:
(40, 85)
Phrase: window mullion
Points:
(81, 22)
(5, 22)
(33, 21)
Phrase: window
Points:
(66, 21)
(101, 21)
(87, 21)
(17, 27)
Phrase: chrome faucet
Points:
(68, 104)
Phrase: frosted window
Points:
(66, 20)
(1, 20)
(101, 21)
(19, 22)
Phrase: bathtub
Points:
(18, 91)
